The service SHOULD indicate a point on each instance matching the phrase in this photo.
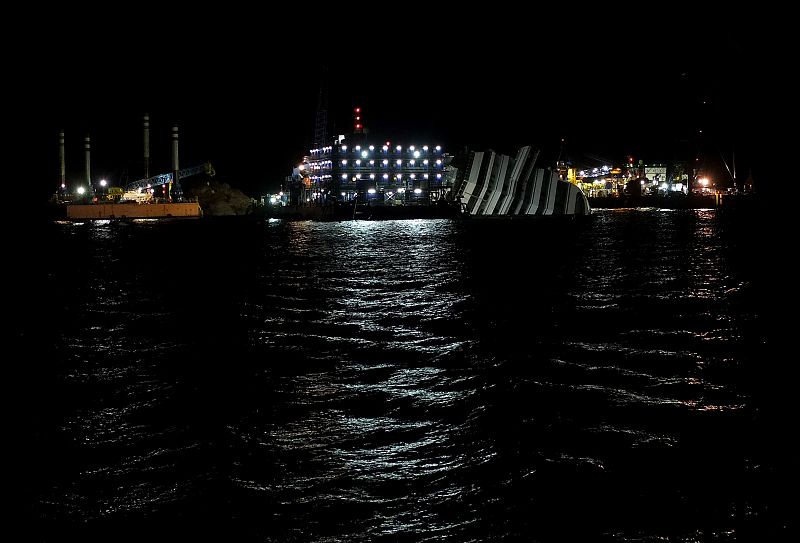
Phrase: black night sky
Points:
(245, 96)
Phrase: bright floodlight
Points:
(417, 191)
(103, 183)
(81, 190)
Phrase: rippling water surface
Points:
(400, 381)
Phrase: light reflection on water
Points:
(361, 379)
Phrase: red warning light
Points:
(358, 110)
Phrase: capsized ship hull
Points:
(501, 185)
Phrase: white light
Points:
(417, 191)
(385, 147)
(438, 162)
(438, 176)
(399, 176)
(343, 194)
(358, 147)
(103, 183)
(416, 154)
(372, 176)
(344, 147)
(412, 162)
(425, 161)
(81, 190)
(411, 148)
(399, 147)
(425, 148)
(399, 162)
(344, 161)
(438, 147)
(371, 191)
(344, 176)
(425, 175)
(358, 176)
(401, 190)
(371, 162)
(664, 186)
(413, 176)
(385, 162)
(386, 176)
(301, 167)
(280, 193)
(364, 154)
(358, 163)
(371, 147)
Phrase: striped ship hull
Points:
(496, 184)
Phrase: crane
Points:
(164, 178)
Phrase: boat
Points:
(478, 184)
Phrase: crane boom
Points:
(164, 178)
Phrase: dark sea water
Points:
(426, 380)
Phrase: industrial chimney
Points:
(146, 146)
(87, 149)
(62, 172)
(175, 179)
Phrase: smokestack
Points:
(62, 172)
(175, 159)
(146, 145)
(87, 148)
